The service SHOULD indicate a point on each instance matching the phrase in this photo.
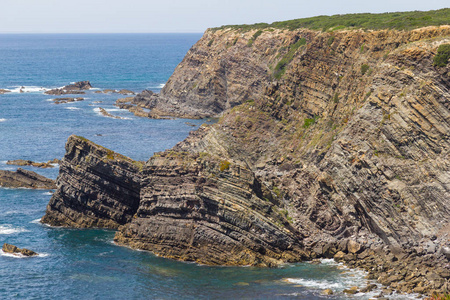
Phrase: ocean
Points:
(86, 264)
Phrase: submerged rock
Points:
(3, 91)
(25, 179)
(8, 248)
(66, 100)
(107, 114)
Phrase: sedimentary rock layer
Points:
(324, 137)
(25, 179)
(209, 211)
(96, 187)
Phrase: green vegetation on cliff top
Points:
(396, 20)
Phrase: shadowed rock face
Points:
(25, 179)
(96, 187)
(209, 211)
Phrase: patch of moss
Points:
(280, 68)
(254, 37)
(224, 165)
(308, 122)
(364, 69)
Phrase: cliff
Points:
(96, 187)
(330, 143)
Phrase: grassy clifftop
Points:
(397, 20)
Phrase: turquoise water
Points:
(85, 264)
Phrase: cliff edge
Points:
(330, 144)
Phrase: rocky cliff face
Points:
(324, 137)
(95, 187)
(199, 208)
(352, 130)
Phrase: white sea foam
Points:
(320, 284)
(97, 110)
(113, 109)
(2, 120)
(28, 89)
(48, 193)
(72, 108)
(37, 221)
(20, 255)
(159, 86)
(9, 229)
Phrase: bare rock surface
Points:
(23, 162)
(96, 187)
(25, 179)
(75, 88)
(8, 248)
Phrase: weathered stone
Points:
(96, 187)
(25, 179)
(327, 292)
(339, 256)
(75, 88)
(8, 248)
(369, 288)
(353, 247)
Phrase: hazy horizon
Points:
(175, 16)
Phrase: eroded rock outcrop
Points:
(210, 211)
(8, 248)
(23, 162)
(25, 179)
(75, 88)
(96, 187)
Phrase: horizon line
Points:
(170, 32)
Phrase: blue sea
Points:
(86, 264)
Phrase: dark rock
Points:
(76, 88)
(66, 100)
(96, 187)
(369, 288)
(25, 179)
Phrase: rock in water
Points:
(96, 187)
(8, 248)
(25, 179)
(75, 88)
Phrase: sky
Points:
(147, 16)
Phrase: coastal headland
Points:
(331, 142)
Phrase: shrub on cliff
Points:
(280, 68)
(442, 56)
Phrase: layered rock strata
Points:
(96, 187)
(210, 211)
(324, 137)
(8, 248)
(25, 179)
